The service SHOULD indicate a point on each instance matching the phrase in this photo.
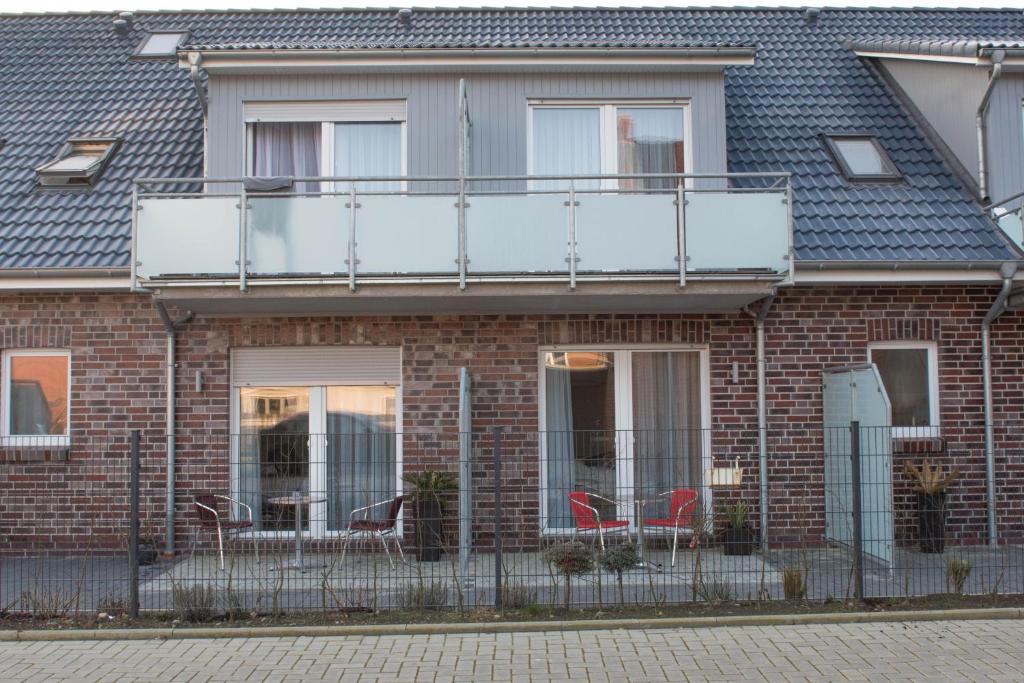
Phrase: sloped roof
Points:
(69, 74)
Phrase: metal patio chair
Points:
(588, 520)
(211, 518)
(682, 506)
(375, 528)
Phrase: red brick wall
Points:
(117, 353)
(77, 498)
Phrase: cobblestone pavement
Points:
(951, 650)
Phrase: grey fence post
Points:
(133, 528)
(858, 527)
(497, 519)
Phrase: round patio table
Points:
(298, 500)
(640, 550)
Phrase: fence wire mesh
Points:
(366, 520)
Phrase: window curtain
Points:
(560, 441)
(369, 149)
(361, 452)
(566, 141)
(287, 149)
(904, 374)
(667, 438)
(650, 140)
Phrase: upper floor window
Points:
(346, 139)
(861, 158)
(623, 138)
(36, 396)
(910, 374)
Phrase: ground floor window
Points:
(337, 445)
(910, 374)
(36, 396)
(624, 424)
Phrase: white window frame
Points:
(934, 417)
(622, 354)
(608, 129)
(317, 454)
(38, 440)
(326, 113)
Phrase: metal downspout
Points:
(1007, 271)
(982, 126)
(171, 328)
(762, 413)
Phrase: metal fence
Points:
(367, 520)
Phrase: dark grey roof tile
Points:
(806, 81)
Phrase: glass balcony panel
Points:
(297, 235)
(628, 232)
(187, 236)
(411, 234)
(736, 230)
(517, 233)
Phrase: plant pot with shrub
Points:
(739, 535)
(930, 485)
(429, 492)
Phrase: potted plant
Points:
(429, 490)
(739, 535)
(930, 484)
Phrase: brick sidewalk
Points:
(950, 650)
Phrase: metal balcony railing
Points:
(469, 229)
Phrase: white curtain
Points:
(667, 438)
(560, 440)
(566, 141)
(368, 149)
(650, 140)
(287, 149)
(361, 452)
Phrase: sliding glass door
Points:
(335, 444)
(361, 452)
(626, 425)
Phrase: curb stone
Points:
(179, 633)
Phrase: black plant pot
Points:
(931, 521)
(147, 555)
(739, 541)
(428, 531)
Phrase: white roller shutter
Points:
(316, 366)
(326, 110)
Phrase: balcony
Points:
(462, 233)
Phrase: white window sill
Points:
(28, 441)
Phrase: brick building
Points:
(414, 194)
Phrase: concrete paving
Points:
(898, 651)
(367, 580)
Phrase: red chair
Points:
(682, 506)
(211, 518)
(588, 519)
(375, 528)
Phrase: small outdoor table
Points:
(643, 563)
(298, 500)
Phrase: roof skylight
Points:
(860, 157)
(79, 165)
(160, 44)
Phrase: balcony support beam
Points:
(352, 205)
(572, 259)
(681, 230)
(462, 261)
(243, 240)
